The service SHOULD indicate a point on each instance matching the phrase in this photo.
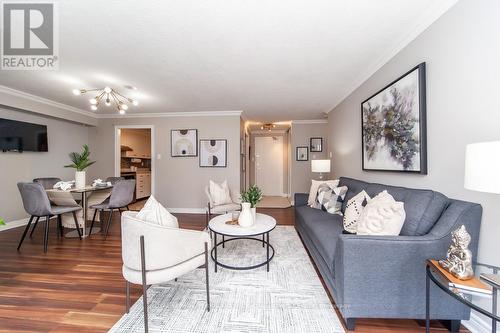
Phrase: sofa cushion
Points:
(423, 207)
(323, 229)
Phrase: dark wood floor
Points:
(78, 287)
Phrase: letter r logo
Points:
(28, 29)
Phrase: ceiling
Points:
(275, 60)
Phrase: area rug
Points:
(274, 202)
(288, 298)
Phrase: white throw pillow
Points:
(313, 191)
(382, 216)
(220, 193)
(353, 211)
(154, 212)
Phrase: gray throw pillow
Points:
(330, 199)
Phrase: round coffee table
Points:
(263, 225)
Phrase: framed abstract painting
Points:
(184, 143)
(213, 153)
(393, 126)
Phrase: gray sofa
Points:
(384, 276)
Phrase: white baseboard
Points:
(477, 324)
(187, 210)
(14, 224)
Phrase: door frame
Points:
(117, 159)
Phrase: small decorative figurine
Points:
(459, 258)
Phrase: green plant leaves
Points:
(80, 161)
(253, 195)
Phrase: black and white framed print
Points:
(302, 154)
(316, 145)
(394, 125)
(184, 143)
(213, 153)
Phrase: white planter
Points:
(80, 179)
(245, 219)
(254, 213)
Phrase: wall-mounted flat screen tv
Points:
(20, 136)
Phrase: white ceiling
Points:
(275, 60)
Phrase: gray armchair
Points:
(384, 276)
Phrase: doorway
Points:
(269, 166)
(135, 157)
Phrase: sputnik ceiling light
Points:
(108, 96)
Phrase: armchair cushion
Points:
(225, 208)
(220, 193)
(154, 212)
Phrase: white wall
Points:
(63, 137)
(462, 51)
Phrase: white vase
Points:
(80, 179)
(254, 214)
(245, 219)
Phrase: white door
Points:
(269, 164)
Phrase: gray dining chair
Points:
(114, 180)
(47, 183)
(122, 195)
(37, 204)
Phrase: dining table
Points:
(84, 191)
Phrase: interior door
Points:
(269, 164)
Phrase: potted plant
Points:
(80, 163)
(252, 196)
(2, 222)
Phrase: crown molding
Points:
(310, 121)
(38, 99)
(435, 11)
(172, 114)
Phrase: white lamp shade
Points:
(482, 167)
(320, 165)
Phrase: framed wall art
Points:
(393, 125)
(213, 153)
(316, 145)
(184, 143)
(302, 154)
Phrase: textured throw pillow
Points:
(220, 193)
(353, 211)
(382, 216)
(330, 199)
(313, 191)
(154, 212)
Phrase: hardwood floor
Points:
(78, 287)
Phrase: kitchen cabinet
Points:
(143, 184)
(139, 140)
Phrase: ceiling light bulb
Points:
(122, 111)
(107, 90)
(107, 102)
(123, 106)
(93, 101)
(135, 102)
(76, 92)
(93, 107)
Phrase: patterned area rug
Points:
(288, 298)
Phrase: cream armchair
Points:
(221, 209)
(155, 254)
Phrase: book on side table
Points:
(473, 286)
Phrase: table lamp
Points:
(320, 166)
(482, 173)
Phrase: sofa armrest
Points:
(369, 269)
(300, 199)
